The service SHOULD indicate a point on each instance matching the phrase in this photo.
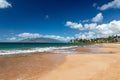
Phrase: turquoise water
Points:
(8, 46)
(18, 48)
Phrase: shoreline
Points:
(90, 63)
(82, 49)
(62, 49)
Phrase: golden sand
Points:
(99, 66)
(25, 67)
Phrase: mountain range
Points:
(41, 40)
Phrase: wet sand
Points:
(102, 65)
(25, 67)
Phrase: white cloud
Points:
(4, 4)
(90, 26)
(80, 26)
(97, 18)
(85, 35)
(93, 30)
(12, 38)
(37, 35)
(111, 28)
(58, 37)
(74, 25)
(113, 4)
(54, 37)
(29, 35)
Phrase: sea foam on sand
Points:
(68, 49)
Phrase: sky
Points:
(58, 19)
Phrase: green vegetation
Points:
(110, 39)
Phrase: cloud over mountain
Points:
(37, 35)
(29, 35)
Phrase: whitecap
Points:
(67, 49)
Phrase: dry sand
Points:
(100, 66)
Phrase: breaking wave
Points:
(69, 49)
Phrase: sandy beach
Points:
(101, 62)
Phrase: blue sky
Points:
(59, 19)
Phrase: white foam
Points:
(34, 50)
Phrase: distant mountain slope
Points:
(42, 40)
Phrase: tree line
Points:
(110, 39)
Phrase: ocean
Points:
(20, 48)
